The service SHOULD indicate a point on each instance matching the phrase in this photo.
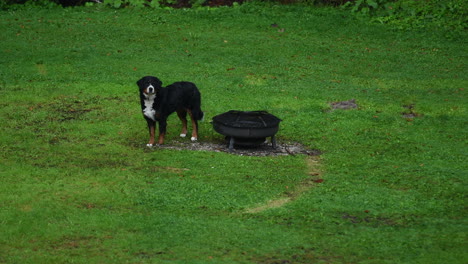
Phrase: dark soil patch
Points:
(370, 220)
(282, 149)
(409, 113)
(344, 105)
(302, 255)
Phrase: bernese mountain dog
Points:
(158, 102)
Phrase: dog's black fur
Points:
(158, 102)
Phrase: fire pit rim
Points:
(263, 119)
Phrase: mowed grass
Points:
(79, 185)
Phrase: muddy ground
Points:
(265, 149)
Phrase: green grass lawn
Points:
(79, 185)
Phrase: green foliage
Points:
(149, 3)
(368, 7)
(133, 3)
(7, 4)
(450, 15)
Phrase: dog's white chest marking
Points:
(149, 110)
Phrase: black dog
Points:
(158, 102)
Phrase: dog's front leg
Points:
(152, 129)
(162, 130)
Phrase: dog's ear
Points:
(140, 82)
(157, 82)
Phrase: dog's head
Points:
(149, 85)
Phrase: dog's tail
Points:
(197, 113)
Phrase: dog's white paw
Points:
(149, 145)
(193, 139)
(183, 135)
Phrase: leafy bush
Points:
(449, 15)
(122, 3)
(8, 4)
(170, 3)
(5, 4)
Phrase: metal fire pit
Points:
(243, 128)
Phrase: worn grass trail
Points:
(79, 185)
(305, 185)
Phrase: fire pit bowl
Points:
(247, 128)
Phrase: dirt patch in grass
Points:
(301, 255)
(371, 220)
(282, 149)
(344, 105)
(409, 113)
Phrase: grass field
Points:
(79, 185)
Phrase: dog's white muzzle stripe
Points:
(150, 89)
